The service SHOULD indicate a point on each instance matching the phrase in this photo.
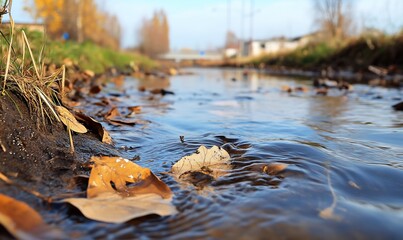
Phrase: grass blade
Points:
(32, 56)
(48, 102)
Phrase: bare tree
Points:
(334, 17)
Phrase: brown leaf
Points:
(274, 168)
(121, 121)
(94, 126)
(69, 120)
(69, 103)
(95, 89)
(22, 221)
(118, 81)
(114, 112)
(135, 109)
(89, 73)
(120, 190)
(120, 171)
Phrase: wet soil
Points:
(38, 157)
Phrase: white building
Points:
(275, 45)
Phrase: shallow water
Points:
(344, 153)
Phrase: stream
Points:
(344, 156)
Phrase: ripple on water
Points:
(331, 162)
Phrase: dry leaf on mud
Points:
(213, 162)
(69, 120)
(120, 190)
(95, 126)
(23, 222)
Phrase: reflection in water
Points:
(327, 113)
(258, 125)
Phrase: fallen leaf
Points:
(118, 81)
(113, 208)
(274, 168)
(135, 109)
(121, 121)
(23, 222)
(89, 73)
(120, 190)
(213, 162)
(95, 89)
(95, 126)
(161, 91)
(114, 112)
(69, 120)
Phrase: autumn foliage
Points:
(154, 34)
(80, 20)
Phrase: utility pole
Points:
(242, 28)
(252, 13)
(228, 15)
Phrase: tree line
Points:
(154, 34)
(78, 20)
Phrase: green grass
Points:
(86, 55)
(305, 57)
(355, 53)
(93, 57)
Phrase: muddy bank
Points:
(37, 156)
(351, 62)
(395, 80)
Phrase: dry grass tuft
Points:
(27, 77)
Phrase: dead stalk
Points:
(71, 140)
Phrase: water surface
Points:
(344, 154)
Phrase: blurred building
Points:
(272, 46)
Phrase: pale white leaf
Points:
(212, 161)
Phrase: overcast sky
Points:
(202, 24)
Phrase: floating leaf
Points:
(120, 121)
(69, 120)
(95, 126)
(274, 168)
(213, 161)
(120, 190)
(114, 112)
(95, 89)
(135, 109)
(22, 221)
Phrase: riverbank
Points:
(376, 60)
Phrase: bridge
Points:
(201, 56)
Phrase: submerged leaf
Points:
(69, 120)
(120, 190)
(213, 161)
(22, 221)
